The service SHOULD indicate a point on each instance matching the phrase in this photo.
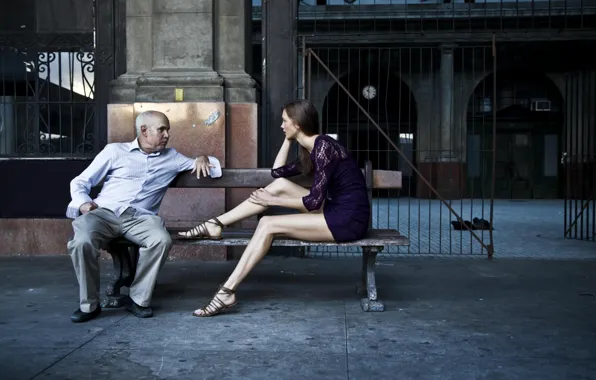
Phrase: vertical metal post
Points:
(491, 245)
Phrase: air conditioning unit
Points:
(541, 105)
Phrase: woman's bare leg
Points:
(280, 187)
(311, 227)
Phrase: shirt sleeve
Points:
(186, 163)
(288, 170)
(326, 159)
(81, 185)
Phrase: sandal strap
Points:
(223, 289)
(213, 307)
(216, 305)
(196, 231)
(201, 229)
(217, 222)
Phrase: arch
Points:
(393, 107)
(529, 108)
(511, 71)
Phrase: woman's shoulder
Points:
(330, 146)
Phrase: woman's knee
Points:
(278, 186)
(266, 224)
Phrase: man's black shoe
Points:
(78, 316)
(136, 310)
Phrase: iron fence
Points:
(340, 17)
(579, 157)
(54, 83)
(47, 102)
(414, 109)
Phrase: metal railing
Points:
(384, 16)
(47, 104)
(382, 104)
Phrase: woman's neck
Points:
(308, 142)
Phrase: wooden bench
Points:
(125, 254)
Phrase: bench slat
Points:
(255, 178)
(241, 237)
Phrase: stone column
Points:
(189, 59)
(233, 58)
(169, 46)
(234, 49)
(442, 167)
(447, 103)
(279, 71)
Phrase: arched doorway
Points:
(529, 126)
(389, 101)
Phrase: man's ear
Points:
(144, 130)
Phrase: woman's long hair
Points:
(304, 114)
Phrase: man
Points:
(137, 175)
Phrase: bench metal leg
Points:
(125, 266)
(368, 285)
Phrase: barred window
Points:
(47, 105)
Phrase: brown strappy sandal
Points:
(200, 232)
(216, 305)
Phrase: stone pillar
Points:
(169, 46)
(189, 59)
(234, 49)
(233, 52)
(447, 103)
(443, 167)
(280, 63)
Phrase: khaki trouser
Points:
(92, 232)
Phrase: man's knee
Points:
(160, 239)
(82, 244)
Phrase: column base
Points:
(239, 87)
(160, 86)
(446, 177)
(124, 88)
(157, 86)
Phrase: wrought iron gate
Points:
(579, 157)
(427, 112)
(54, 78)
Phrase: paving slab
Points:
(301, 318)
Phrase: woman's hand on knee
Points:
(262, 197)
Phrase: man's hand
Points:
(262, 197)
(86, 207)
(202, 165)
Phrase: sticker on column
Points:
(212, 118)
(179, 93)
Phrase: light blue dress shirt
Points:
(133, 178)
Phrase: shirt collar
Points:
(134, 145)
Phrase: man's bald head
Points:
(153, 131)
(150, 119)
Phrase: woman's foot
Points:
(224, 299)
(210, 229)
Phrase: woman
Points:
(338, 190)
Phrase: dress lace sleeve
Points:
(326, 158)
(285, 171)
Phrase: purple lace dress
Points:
(340, 184)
